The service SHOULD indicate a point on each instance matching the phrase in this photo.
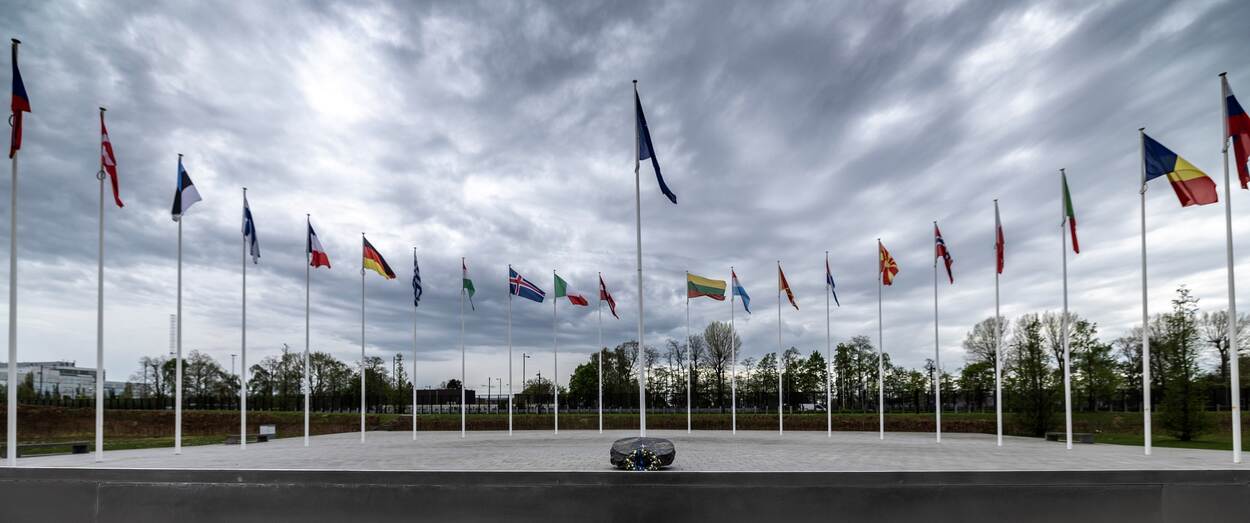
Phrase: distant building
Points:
(62, 378)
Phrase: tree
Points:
(721, 345)
(1183, 393)
(1214, 328)
(1031, 380)
(976, 382)
(981, 344)
(1094, 373)
(1052, 325)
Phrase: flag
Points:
(646, 149)
(887, 267)
(604, 295)
(1000, 243)
(697, 286)
(1237, 127)
(519, 286)
(21, 104)
(829, 280)
(316, 253)
(740, 292)
(1069, 213)
(416, 281)
(466, 284)
(186, 194)
(1192, 186)
(249, 232)
(372, 260)
(562, 291)
(783, 285)
(940, 251)
(108, 160)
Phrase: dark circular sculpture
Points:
(642, 453)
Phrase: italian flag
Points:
(1069, 214)
(562, 291)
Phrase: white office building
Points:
(60, 378)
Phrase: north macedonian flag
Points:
(374, 261)
(1192, 186)
(888, 268)
(697, 286)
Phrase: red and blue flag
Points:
(1237, 127)
(519, 286)
(19, 105)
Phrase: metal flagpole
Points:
(178, 353)
(1063, 320)
(243, 341)
(462, 405)
(414, 355)
(937, 354)
(998, 341)
(1235, 371)
(362, 340)
(880, 349)
(780, 361)
(510, 353)
(307, 344)
(600, 351)
(99, 324)
(828, 359)
(733, 354)
(12, 369)
(1145, 315)
(555, 360)
(689, 359)
(642, 365)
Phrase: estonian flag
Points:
(186, 195)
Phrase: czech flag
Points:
(1237, 127)
(19, 105)
(316, 253)
(1192, 186)
(374, 261)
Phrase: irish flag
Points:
(562, 291)
(698, 286)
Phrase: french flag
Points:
(1237, 127)
(316, 253)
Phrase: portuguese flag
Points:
(697, 286)
(1069, 214)
(562, 291)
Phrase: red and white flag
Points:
(604, 295)
(317, 254)
(107, 161)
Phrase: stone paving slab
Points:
(701, 451)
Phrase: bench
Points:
(1077, 437)
(75, 447)
(233, 439)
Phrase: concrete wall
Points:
(187, 496)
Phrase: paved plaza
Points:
(701, 451)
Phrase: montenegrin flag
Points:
(317, 256)
(888, 267)
(562, 291)
(1192, 186)
(373, 260)
(697, 286)
(784, 286)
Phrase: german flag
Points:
(374, 261)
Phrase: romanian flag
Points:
(1192, 186)
(697, 286)
(1237, 127)
(20, 104)
(784, 286)
(374, 261)
(888, 267)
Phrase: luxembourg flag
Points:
(316, 253)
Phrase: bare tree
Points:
(1214, 329)
(980, 343)
(720, 350)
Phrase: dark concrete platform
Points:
(191, 496)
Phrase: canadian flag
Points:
(317, 253)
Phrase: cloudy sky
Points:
(503, 132)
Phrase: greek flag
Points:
(249, 232)
(416, 281)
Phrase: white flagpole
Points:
(1063, 320)
(362, 340)
(243, 341)
(307, 305)
(689, 359)
(1145, 315)
(99, 324)
(12, 368)
(178, 353)
(555, 360)
(642, 366)
(1235, 371)
(600, 351)
(828, 358)
(414, 355)
(937, 354)
(733, 352)
(880, 349)
(998, 342)
(462, 405)
(780, 361)
(510, 352)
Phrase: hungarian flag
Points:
(1192, 186)
(698, 286)
(1068, 213)
(887, 267)
(942, 252)
(604, 295)
(562, 291)
(783, 285)
(107, 160)
(19, 105)
(373, 260)
(1000, 244)
(317, 256)
(1237, 127)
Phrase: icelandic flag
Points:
(316, 253)
(829, 281)
(740, 292)
(249, 232)
(186, 195)
(646, 149)
(416, 281)
(519, 286)
(19, 105)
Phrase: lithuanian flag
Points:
(1192, 186)
(697, 286)
(374, 261)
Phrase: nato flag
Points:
(647, 150)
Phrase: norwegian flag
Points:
(107, 161)
(604, 295)
(942, 252)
